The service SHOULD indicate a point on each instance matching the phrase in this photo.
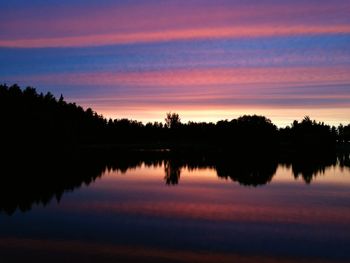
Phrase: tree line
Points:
(29, 118)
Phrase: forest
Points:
(32, 120)
(50, 146)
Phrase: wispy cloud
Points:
(88, 24)
(201, 77)
(203, 58)
(174, 35)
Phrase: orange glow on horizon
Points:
(280, 116)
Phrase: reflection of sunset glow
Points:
(82, 250)
(216, 212)
(201, 195)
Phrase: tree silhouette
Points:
(172, 172)
(172, 120)
(35, 120)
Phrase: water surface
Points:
(176, 212)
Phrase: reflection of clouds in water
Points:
(83, 251)
(134, 215)
(52, 178)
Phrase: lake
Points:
(169, 210)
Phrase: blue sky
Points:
(205, 60)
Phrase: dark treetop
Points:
(29, 119)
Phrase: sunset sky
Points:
(204, 59)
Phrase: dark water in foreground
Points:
(161, 212)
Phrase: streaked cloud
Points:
(202, 78)
(89, 24)
(206, 59)
(174, 35)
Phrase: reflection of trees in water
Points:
(39, 179)
(308, 166)
(344, 160)
(248, 172)
(309, 170)
(254, 170)
(172, 172)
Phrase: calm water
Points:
(178, 213)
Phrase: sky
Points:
(204, 59)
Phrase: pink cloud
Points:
(200, 78)
(175, 35)
(47, 26)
